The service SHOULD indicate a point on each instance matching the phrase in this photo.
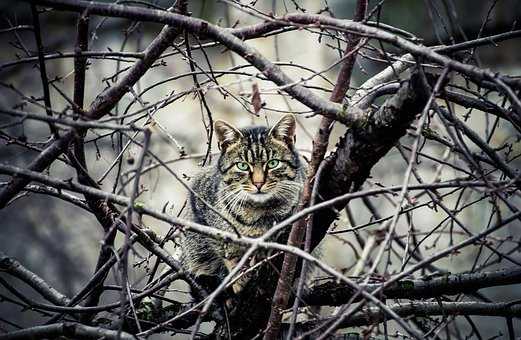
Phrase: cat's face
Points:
(259, 165)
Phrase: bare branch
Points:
(374, 316)
(68, 329)
(334, 294)
(15, 268)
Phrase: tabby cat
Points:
(255, 183)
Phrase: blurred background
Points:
(60, 241)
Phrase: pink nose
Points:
(258, 185)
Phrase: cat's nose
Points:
(258, 185)
(257, 177)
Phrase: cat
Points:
(256, 182)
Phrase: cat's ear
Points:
(284, 130)
(226, 134)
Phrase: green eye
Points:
(272, 163)
(243, 166)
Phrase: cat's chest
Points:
(253, 226)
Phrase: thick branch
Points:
(373, 316)
(17, 270)
(334, 294)
(67, 329)
(40, 163)
(105, 212)
(363, 146)
(298, 230)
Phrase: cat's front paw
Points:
(242, 280)
(208, 282)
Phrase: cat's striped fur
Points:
(255, 183)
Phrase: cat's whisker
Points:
(229, 204)
(291, 184)
(239, 198)
(233, 195)
(229, 198)
(225, 199)
(229, 194)
(242, 200)
(288, 189)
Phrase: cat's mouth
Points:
(259, 197)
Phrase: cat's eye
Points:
(243, 166)
(272, 164)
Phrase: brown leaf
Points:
(256, 101)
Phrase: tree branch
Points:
(16, 269)
(100, 107)
(363, 146)
(204, 28)
(146, 237)
(372, 316)
(43, 69)
(67, 329)
(335, 294)
(298, 231)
